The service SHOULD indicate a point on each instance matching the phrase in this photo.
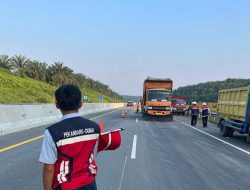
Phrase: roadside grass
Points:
(18, 90)
(93, 95)
(15, 89)
(212, 106)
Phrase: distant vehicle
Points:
(156, 100)
(234, 109)
(179, 104)
(130, 103)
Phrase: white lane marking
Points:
(123, 170)
(105, 114)
(136, 120)
(133, 153)
(224, 142)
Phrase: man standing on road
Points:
(137, 107)
(194, 113)
(68, 146)
(204, 114)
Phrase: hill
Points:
(209, 91)
(131, 98)
(15, 89)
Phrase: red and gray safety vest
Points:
(75, 139)
(204, 111)
(195, 110)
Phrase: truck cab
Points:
(158, 102)
(179, 104)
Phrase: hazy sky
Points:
(122, 42)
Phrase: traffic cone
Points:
(101, 126)
(123, 115)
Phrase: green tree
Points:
(80, 80)
(37, 70)
(5, 62)
(19, 64)
(208, 91)
(59, 74)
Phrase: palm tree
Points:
(19, 64)
(37, 70)
(80, 80)
(68, 75)
(5, 62)
(59, 74)
(43, 71)
(33, 70)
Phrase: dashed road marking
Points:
(133, 153)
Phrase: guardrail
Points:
(15, 118)
(214, 118)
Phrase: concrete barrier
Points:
(15, 118)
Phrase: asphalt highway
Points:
(153, 156)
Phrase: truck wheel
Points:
(230, 132)
(248, 136)
(224, 129)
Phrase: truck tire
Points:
(248, 136)
(230, 132)
(224, 129)
(221, 125)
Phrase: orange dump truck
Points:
(156, 99)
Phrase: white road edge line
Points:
(123, 170)
(133, 153)
(225, 142)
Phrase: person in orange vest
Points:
(137, 107)
(194, 113)
(204, 114)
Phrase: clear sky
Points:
(120, 43)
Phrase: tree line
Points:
(208, 91)
(55, 74)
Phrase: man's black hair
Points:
(68, 97)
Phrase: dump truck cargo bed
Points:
(234, 103)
